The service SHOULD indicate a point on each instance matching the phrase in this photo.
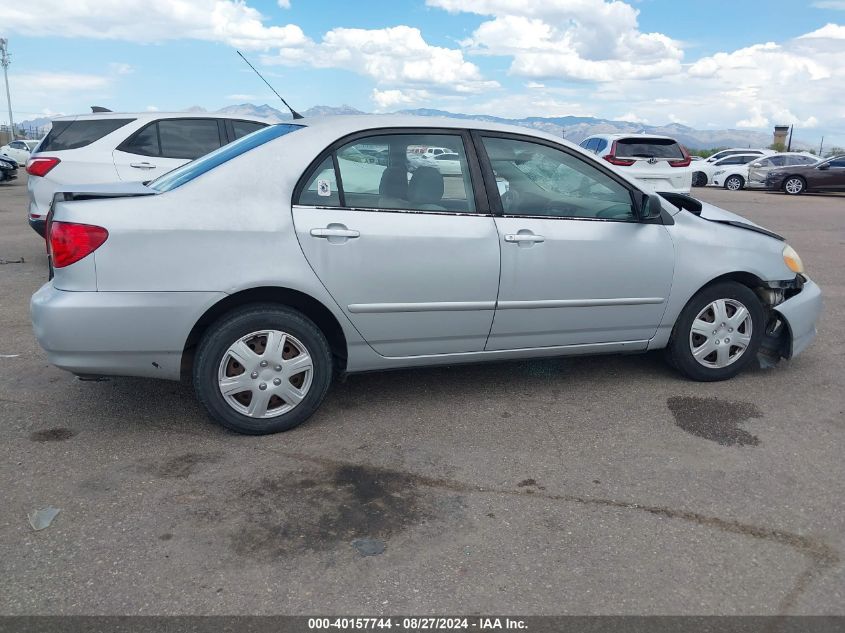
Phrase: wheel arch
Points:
(306, 304)
(801, 177)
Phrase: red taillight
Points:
(70, 242)
(611, 158)
(625, 162)
(682, 162)
(39, 166)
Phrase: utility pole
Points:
(820, 147)
(789, 147)
(4, 61)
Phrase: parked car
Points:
(730, 172)
(738, 150)
(759, 169)
(267, 266)
(19, 150)
(702, 173)
(111, 147)
(826, 175)
(659, 162)
(8, 169)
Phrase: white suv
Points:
(659, 162)
(111, 147)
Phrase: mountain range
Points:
(573, 128)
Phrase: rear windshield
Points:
(75, 134)
(648, 148)
(189, 171)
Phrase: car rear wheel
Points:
(794, 185)
(734, 183)
(718, 332)
(699, 179)
(262, 369)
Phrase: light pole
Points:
(4, 61)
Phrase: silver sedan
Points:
(267, 267)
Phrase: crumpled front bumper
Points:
(801, 313)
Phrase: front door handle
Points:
(142, 165)
(524, 237)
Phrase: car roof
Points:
(152, 116)
(344, 124)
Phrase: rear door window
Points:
(242, 128)
(188, 138)
(648, 148)
(66, 135)
(144, 142)
(391, 171)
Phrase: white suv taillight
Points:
(41, 165)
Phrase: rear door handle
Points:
(524, 237)
(142, 165)
(334, 233)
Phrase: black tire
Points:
(797, 184)
(699, 179)
(735, 179)
(679, 353)
(239, 323)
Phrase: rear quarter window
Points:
(66, 135)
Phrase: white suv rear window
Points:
(648, 148)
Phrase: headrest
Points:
(426, 186)
(394, 183)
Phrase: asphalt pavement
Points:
(604, 485)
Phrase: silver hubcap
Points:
(265, 374)
(720, 333)
(794, 185)
(733, 184)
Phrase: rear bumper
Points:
(117, 333)
(39, 225)
(801, 314)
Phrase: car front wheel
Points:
(262, 369)
(734, 183)
(794, 185)
(718, 332)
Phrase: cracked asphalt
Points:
(604, 485)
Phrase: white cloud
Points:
(284, 4)
(828, 31)
(119, 68)
(838, 5)
(391, 99)
(152, 108)
(632, 117)
(229, 21)
(397, 56)
(241, 97)
(582, 40)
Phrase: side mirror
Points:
(650, 206)
(756, 164)
(824, 166)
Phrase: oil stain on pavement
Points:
(52, 435)
(323, 509)
(715, 419)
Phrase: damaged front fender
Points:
(792, 322)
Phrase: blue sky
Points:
(713, 64)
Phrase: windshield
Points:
(189, 171)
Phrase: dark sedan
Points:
(828, 175)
